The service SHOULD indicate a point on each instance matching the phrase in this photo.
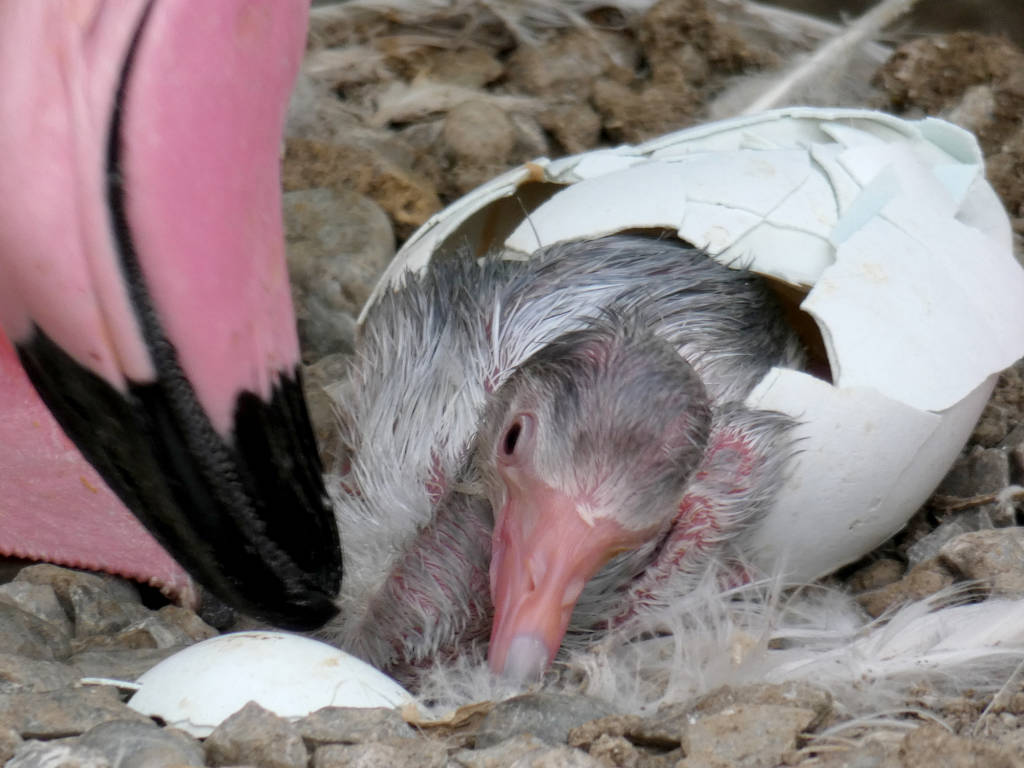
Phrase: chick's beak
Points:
(543, 553)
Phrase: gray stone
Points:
(531, 140)
(920, 582)
(351, 725)
(62, 579)
(575, 125)
(792, 694)
(9, 743)
(67, 712)
(96, 612)
(479, 132)
(615, 750)
(38, 599)
(321, 381)
(876, 575)
(548, 716)
(43, 754)
(507, 752)
(133, 744)
(980, 471)
(400, 753)
(479, 140)
(374, 163)
(256, 736)
(974, 111)
(24, 634)
(170, 627)
(872, 754)
(746, 735)
(119, 663)
(663, 730)
(469, 67)
(993, 557)
(19, 674)
(932, 745)
(929, 546)
(559, 757)
(567, 66)
(339, 243)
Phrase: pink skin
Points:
(227, 66)
(201, 64)
(53, 505)
(197, 64)
(56, 252)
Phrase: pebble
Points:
(928, 546)
(256, 736)
(931, 745)
(64, 712)
(64, 580)
(575, 126)
(548, 716)
(920, 582)
(350, 725)
(43, 754)
(567, 67)
(118, 663)
(9, 742)
(745, 735)
(399, 753)
(615, 750)
(38, 599)
(981, 470)
(133, 744)
(877, 574)
(478, 139)
(388, 178)
(508, 752)
(469, 67)
(339, 242)
(869, 754)
(662, 731)
(22, 675)
(27, 635)
(993, 557)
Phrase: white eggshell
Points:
(889, 229)
(198, 688)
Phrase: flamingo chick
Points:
(547, 446)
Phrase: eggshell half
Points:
(887, 227)
(200, 687)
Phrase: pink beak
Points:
(543, 553)
(143, 281)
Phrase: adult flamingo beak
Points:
(143, 280)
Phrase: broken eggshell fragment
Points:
(887, 247)
(198, 688)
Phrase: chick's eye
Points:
(508, 444)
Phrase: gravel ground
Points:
(398, 114)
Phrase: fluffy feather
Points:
(765, 632)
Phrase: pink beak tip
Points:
(526, 659)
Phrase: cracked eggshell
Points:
(200, 687)
(883, 231)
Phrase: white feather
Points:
(763, 633)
